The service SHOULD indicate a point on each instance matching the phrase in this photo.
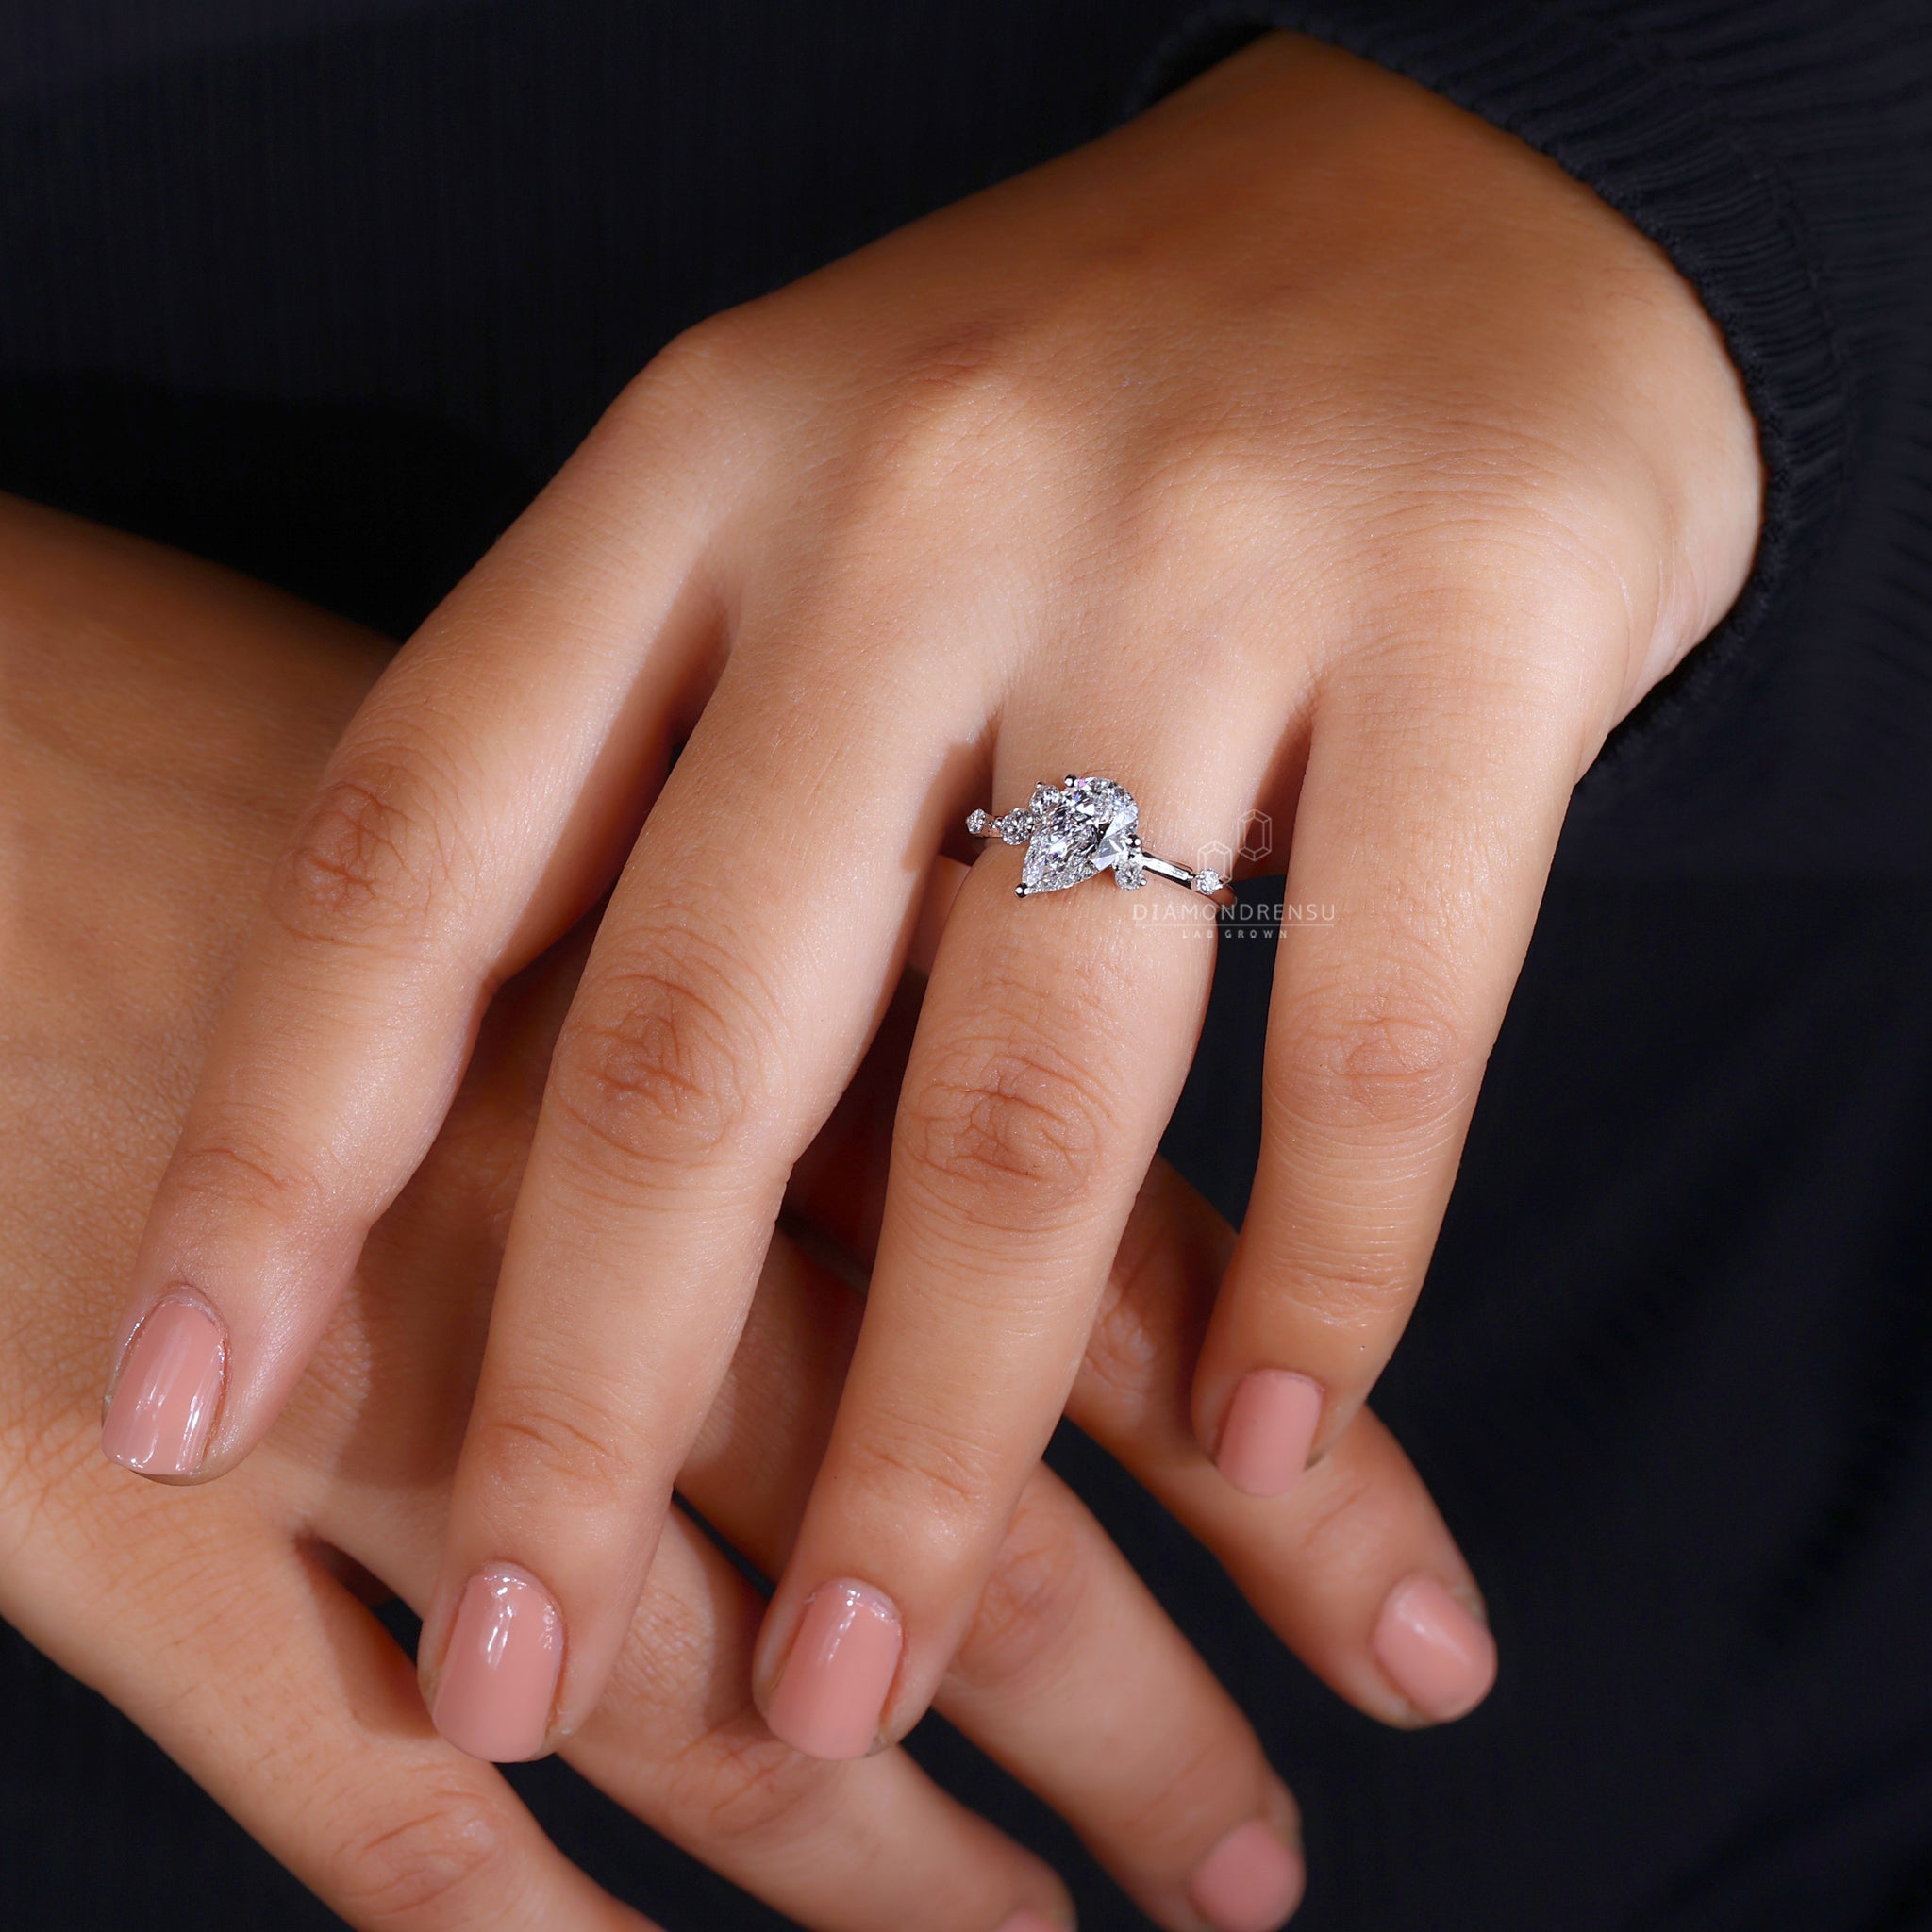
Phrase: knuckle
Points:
(558, 1438)
(1212, 494)
(1330, 1519)
(1462, 568)
(740, 1785)
(967, 407)
(963, 380)
(1139, 1333)
(661, 1064)
(1011, 1125)
(371, 857)
(436, 1864)
(1032, 1600)
(693, 386)
(1360, 1295)
(716, 1773)
(1394, 1055)
(1121, 1362)
(1185, 1798)
(258, 1171)
(915, 1470)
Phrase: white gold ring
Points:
(1080, 830)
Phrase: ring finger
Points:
(1054, 1035)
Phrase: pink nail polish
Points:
(169, 1389)
(1439, 1656)
(499, 1673)
(830, 1698)
(1250, 1882)
(1271, 1423)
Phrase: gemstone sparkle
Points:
(1081, 829)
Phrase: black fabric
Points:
(324, 290)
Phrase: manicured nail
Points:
(1269, 1425)
(1250, 1882)
(1439, 1656)
(1028, 1920)
(499, 1673)
(170, 1387)
(830, 1698)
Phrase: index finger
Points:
(481, 796)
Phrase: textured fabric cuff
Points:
(1649, 135)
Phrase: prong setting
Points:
(1086, 826)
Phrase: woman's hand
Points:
(159, 723)
(1305, 446)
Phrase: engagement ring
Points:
(1086, 826)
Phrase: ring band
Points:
(1078, 832)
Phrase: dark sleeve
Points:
(1777, 150)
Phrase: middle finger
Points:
(735, 979)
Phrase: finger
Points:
(873, 1846)
(1052, 1041)
(869, 1847)
(1168, 1787)
(478, 801)
(1429, 824)
(328, 1759)
(685, 1748)
(1353, 1569)
(723, 1006)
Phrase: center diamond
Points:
(1081, 829)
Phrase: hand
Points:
(1305, 445)
(160, 722)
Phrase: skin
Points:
(1305, 446)
(159, 723)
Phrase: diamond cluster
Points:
(1082, 828)
(1079, 830)
(1015, 829)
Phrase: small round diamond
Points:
(1207, 880)
(979, 823)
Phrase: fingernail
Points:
(499, 1673)
(830, 1698)
(166, 1397)
(1251, 1881)
(1439, 1656)
(1271, 1423)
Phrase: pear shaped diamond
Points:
(1083, 828)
